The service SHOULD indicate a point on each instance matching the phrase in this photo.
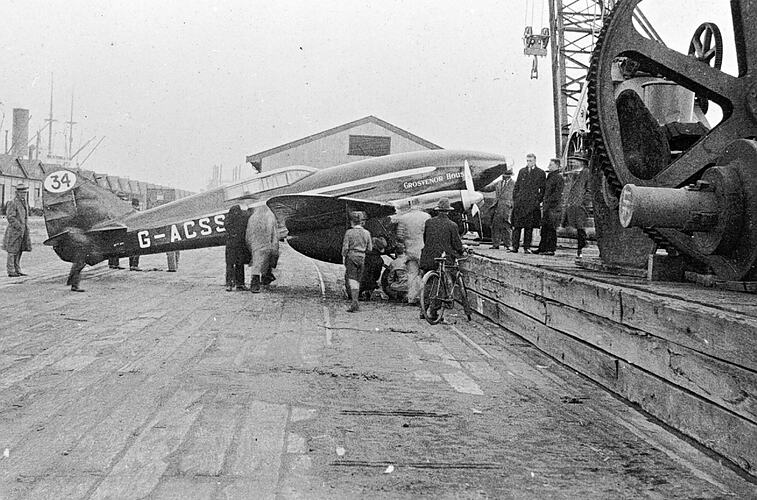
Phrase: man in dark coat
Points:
(578, 204)
(551, 209)
(440, 235)
(80, 247)
(236, 247)
(17, 239)
(134, 259)
(527, 196)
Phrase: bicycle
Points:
(438, 291)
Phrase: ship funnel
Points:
(20, 132)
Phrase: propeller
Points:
(468, 176)
(469, 196)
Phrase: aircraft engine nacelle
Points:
(462, 199)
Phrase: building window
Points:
(369, 145)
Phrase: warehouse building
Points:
(357, 140)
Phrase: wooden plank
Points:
(726, 335)
(717, 429)
(507, 294)
(713, 426)
(185, 488)
(725, 384)
(208, 442)
(140, 469)
(599, 298)
(723, 335)
(259, 450)
(592, 362)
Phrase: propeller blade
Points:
(468, 176)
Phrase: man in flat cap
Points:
(17, 239)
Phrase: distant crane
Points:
(575, 25)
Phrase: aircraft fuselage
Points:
(198, 221)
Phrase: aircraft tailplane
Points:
(72, 203)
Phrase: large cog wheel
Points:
(736, 96)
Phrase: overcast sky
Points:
(178, 86)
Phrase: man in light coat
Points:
(502, 210)
(262, 237)
(17, 239)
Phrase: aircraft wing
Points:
(311, 212)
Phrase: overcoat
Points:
(578, 199)
(17, 238)
(503, 204)
(527, 195)
(552, 206)
(263, 240)
(440, 235)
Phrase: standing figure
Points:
(551, 209)
(79, 248)
(17, 239)
(578, 204)
(527, 196)
(440, 236)
(134, 259)
(262, 235)
(172, 259)
(502, 210)
(236, 249)
(410, 227)
(373, 266)
(357, 241)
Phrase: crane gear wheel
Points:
(736, 96)
(707, 46)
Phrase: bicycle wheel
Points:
(463, 295)
(433, 293)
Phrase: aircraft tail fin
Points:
(71, 201)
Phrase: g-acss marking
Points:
(191, 229)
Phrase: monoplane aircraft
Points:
(310, 204)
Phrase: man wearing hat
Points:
(440, 235)
(357, 241)
(17, 239)
(502, 209)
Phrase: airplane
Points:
(311, 205)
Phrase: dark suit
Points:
(439, 236)
(236, 248)
(551, 210)
(527, 196)
(578, 204)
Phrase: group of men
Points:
(535, 201)
(422, 239)
(251, 238)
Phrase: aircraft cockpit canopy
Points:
(266, 181)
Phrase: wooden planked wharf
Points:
(685, 354)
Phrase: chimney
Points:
(20, 132)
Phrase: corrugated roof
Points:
(341, 128)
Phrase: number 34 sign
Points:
(60, 181)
